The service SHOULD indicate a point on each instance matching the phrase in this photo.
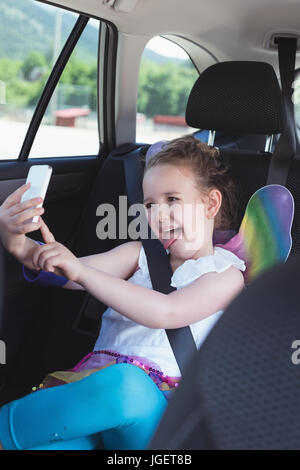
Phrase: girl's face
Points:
(178, 213)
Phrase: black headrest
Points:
(242, 97)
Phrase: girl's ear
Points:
(214, 203)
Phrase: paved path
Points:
(57, 141)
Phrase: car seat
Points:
(241, 389)
(61, 346)
(239, 97)
(234, 407)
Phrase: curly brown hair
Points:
(209, 170)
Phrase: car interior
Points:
(246, 57)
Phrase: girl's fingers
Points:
(42, 253)
(51, 262)
(48, 236)
(28, 214)
(15, 197)
(26, 228)
(22, 206)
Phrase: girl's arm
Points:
(14, 217)
(119, 262)
(203, 297)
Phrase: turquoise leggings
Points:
(121, 402)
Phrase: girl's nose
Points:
(163, 214)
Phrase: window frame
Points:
(296, 78)
(181, 42)
(106, 79)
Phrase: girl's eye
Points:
(172, 198)
(150, 205)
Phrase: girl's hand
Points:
(13, 217)
(55, 257)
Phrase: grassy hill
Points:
(27, 34)
(153, 56)
(27, 27)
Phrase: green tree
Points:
(34, 61)
(78, 73)
(164, 88)
(19, 92)
(9, 69)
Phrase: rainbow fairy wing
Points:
(264, 237)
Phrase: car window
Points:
(70, 126)
(296, 98)
(28, 45)
(166, 77)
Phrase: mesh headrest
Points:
(242, 97)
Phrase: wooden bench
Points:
(170, 120)
(67, 117)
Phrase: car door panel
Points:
(29, 309)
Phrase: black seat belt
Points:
(285, 148)
(181, 339)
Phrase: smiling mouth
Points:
(169, 232)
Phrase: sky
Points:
(167, 48)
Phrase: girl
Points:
(120, 389)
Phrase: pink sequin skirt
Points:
(97, 360)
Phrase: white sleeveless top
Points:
(122, 335)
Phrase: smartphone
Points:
(39, 177)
